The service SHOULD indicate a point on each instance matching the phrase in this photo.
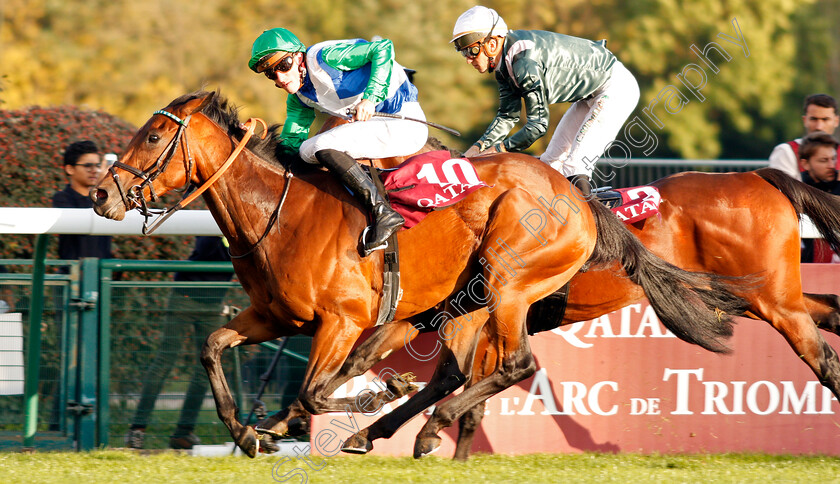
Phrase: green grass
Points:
(171, 468)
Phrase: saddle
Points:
(425, 182)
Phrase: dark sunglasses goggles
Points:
(283, 64)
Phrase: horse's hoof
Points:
(268, 445)
(426, 446)
(357, 445)
(249, 443)
(402, 385)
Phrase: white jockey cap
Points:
(475, 24)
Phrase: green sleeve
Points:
(509, 107)
(299, 119)
(380, 55)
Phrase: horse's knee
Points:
(210, 351)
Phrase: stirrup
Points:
(369, 250)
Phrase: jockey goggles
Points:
(278, 61)
(472, 51)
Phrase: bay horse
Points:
(733, 224)
(304, 274)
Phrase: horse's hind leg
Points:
(513, 363)
(801, 333)
(450, 374)
(246, 328)
(470, 421)
(824, 310)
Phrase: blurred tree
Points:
(130, 58)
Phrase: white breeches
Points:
(375, 138)
(591, 124)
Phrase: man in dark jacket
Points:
(818, 157)
(83, 167)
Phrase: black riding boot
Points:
(385, 220)
(583, 184)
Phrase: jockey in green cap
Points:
(541, 68)
(333, 77)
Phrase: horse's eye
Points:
(153, 138)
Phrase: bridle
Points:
(134, 196)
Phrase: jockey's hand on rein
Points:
(364, 110)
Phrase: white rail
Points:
(85, 221)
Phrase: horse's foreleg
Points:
(388, 338)
(246, 328)
(331, 345)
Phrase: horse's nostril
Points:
(100, 195)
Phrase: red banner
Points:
(623, 383)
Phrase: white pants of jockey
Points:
(374, 138)
(591, 124)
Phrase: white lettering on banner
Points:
(644, 406)
(648, 326)
(577, 398)
(540, 390)
(740, 397)
(468, 174)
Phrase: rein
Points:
(135, 193)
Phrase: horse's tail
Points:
(697, 307)
(821, 207)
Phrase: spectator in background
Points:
(819, 113)
(83, 167)
(201, 308)
(818, 156)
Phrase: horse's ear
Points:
(196, 105)
(207, 100)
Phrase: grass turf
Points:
(110, 466)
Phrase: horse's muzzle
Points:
(105, 205)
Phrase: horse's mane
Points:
(226, 114)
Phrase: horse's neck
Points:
(243, 199)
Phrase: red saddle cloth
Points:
(637, 203)
(429, 181)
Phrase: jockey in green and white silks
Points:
(339, 74)
(333, 76)
(541, 68)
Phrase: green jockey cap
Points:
(271, 41)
